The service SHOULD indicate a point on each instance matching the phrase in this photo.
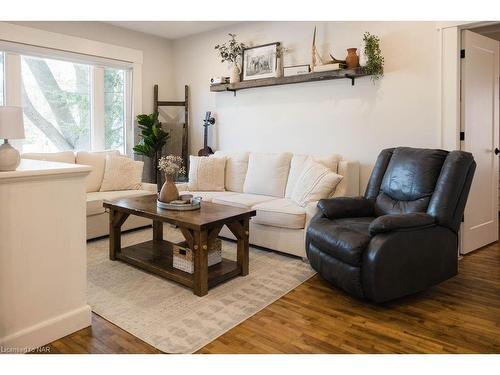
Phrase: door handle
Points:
(497, 151)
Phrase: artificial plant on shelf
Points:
(230, 52)
(152, 140)
(375, 61)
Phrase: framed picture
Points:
(260, 61)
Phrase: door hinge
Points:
(462, 136)
(462, 54)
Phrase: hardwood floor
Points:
(461, 315)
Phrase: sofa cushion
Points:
(343, 239)
(60, 157)
(206, 173)
(241, 199)
(314, 183)
(267, 174)
(283, 213)
(95, 199)
(236, 169)
(207, 196)
(297, 166)
(97, 160)
(121, 173)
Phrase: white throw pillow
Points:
(97, 160)
(122, 173)
(206, 173)
(267, 174)
(297, 166)
(314, 183)
(236, 169)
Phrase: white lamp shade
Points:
(11, 122)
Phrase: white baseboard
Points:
(47, 331)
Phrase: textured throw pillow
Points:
(206, 173)
(122, 173)
(314, 183)
(299, 161)
(236, 169)
(97, 160)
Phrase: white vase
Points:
(279, 67)
(235, 74)
(363, 59)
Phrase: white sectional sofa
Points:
(280, 223)
(97, 218)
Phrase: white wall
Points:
(320, 117)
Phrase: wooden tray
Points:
(179, 207)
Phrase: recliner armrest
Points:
(345, 207)
(388, 223)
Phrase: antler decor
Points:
(315, 56)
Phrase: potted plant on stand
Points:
(231, 53)
(152, 140)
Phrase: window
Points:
(2, 100)
(56, 102)
(114, 109)
(68, 104)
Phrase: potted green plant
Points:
(375, 61)
(152, 140)
(231, 52)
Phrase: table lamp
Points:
(11, 127)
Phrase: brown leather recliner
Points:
(402, 236)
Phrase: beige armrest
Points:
(349, 186)
(149, 187)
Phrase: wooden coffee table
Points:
(199, 228)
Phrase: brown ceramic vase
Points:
(168, 192)
(352, 59)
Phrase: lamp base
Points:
(9, 157)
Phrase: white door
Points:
(480, 124)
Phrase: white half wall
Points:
(402, 109)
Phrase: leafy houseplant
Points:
(375, 64)
(230, 52)
(152, 140)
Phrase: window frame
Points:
(13, 76)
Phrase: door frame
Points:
(451, 121)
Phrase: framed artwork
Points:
(260, 61)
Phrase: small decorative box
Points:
(295, 70)
(183, 257)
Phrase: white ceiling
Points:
(171, 29)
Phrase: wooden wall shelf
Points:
(351, 74)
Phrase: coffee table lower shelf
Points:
(155, 256)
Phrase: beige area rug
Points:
(169, 316)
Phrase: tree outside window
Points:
(114, 109)
(57, 97)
